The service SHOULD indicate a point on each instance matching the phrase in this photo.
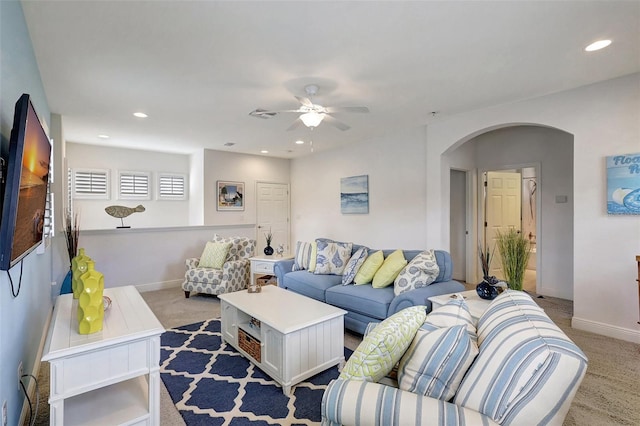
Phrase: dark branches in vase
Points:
(485, 261)
(72, 234)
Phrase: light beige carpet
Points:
(608, 395)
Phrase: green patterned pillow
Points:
(214, 255)
(383, 347)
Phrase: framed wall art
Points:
(354, 194)
(623, 184)
(230, 195)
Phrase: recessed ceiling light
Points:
(229, 144)
(299, 142)
(264, 151)
(140, 114)
(597, 45)
(103, 136)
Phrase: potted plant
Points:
(514, 252)
(488, 288)
(268, 250)
(485, 262)
(71, 234)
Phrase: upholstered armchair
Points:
(233, 275)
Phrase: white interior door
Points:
(502, 210)
(272, 214)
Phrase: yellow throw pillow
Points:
(314, 254)
(369, 268)
(214, 255)
(393, 264)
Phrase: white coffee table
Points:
(476, 305)
(289, 336)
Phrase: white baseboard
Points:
(159, 285)
(43, 405)
(606, 329)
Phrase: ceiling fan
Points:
(311, 115)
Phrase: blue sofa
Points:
(363, 303)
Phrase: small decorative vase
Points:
(268, 250)
(78, 267)
(90, 302)
(486, 291)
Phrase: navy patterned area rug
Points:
(213, 384)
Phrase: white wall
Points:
(196, 188)
(604, 119)
(228, 166)
(395, 165)
(22, 318)
(158, 212)
(151, 258)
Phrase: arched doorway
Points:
(550, 152)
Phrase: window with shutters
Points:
(172, 186)
(48, 209)
(91, 184)
(134, 185)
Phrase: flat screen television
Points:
(25, 192)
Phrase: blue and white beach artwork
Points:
(354, 194)
(623, 184)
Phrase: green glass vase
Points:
(78, 267)
(90, 305)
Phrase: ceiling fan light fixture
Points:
(597, 45)
(312, 119)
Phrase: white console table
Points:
(111, 377)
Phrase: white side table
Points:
(476, 305)
(111, 377)
(263, 265)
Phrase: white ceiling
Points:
(199, 67)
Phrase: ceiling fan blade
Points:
(295, 124)
(336, 123)
(305, 101)
(347, 109)
(263, 113)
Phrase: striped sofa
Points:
(526, 373)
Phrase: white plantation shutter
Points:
(48, 215)
(134, 185)
(171, 186)
(91, 184)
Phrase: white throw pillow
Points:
(332, 257)
(421, 271)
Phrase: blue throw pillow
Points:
(354, 265)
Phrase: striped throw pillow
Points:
(454, 312)
(303, 256)
(436, 362)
